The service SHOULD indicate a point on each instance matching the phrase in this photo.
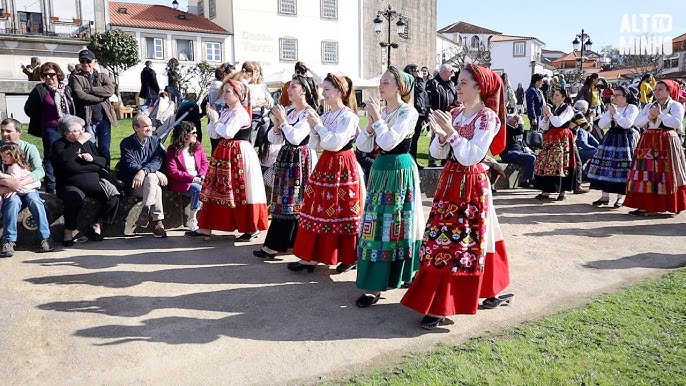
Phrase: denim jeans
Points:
(10, 213)
(50, 136)
(101, 133)
(194, 193)
(525, 160)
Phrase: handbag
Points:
(533, 139)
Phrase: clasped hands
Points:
(441, 123)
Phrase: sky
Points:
(557, 22)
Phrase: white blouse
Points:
(390, 130)
(558, 120)
(672, 116)
(294, 130)
(471, 139)
(260, 91)
(229, 123)
(336, 130)
(624, 117)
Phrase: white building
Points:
(325, 34)
(164, 33)
(471, 36)
(519, 57)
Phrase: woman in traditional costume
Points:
(657, 179)
(233, 190)
(330, 216)
(293, 165)
(609, 167)
(555, 163)
(393, 219)
(463, 256)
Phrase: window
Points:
(184, 49)
(518, 49)
(213, 52)
(212, 8)
(288, 7)
(464, 41)
(329, 9)
(329, 52)
(475, 43)
(201, 8)
(154, 48)
(30, 22)
(288, 49)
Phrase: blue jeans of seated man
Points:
(525, 160)
(586, 154)
(101, 134)
(10, 213)
(194, 193)
(50, 136)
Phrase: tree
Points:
(204, 73)
(116, 51)
(460, 56)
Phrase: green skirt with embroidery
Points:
(388, 247)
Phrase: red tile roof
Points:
(466, 28)
(160, 17)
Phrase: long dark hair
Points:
(345, 86)
(565, 95)
(179, 135)
(311, 96)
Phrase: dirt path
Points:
(183, 311)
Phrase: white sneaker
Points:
(187, 210)
(192, 224)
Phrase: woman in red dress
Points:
(233, 193)
(463, 256)
(334, 195)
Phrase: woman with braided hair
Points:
(334, 195)
(232, 193)
(393, 219)
(463, 256)
(293, 165)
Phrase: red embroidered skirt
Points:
(657, 179)
(330, 214)
(463, 257)
(233, 193)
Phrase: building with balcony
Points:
(674, 65)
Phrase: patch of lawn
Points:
(636, 336)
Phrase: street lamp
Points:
(583, 42)
(389, 14)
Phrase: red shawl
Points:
(491, 88)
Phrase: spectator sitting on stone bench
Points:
(11, 133)
(142, 157)
(517, 152)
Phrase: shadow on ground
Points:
(641, 260)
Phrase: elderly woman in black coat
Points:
(78, 171)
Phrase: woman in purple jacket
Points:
(186, 168)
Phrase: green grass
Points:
(636, 336)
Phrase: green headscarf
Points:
(404, 80)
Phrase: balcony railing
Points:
(57, 30)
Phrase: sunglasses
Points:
(49, 74)
(84, 60)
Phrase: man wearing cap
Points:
(91, 91)
(150, 89)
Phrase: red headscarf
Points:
(241, 91)
(492, 90)
(672, 87)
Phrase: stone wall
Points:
(419, 48)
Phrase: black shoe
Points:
(77, 238)
(343, 268)
(93, 236)
(295, 267)
(263, 255)
(637, 212)
(248, 236)
(195, 234)
(431, 322)
(601, 202)
(561, 198)
(497, 301)
(366, 300)
(543, 197)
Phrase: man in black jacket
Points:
(441, 93)
(421, 104)
(150, 89)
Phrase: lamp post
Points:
(582, 42)
(389, 14)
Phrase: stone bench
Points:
(428, 178)
(124, 224)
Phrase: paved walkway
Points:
(144, 310)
